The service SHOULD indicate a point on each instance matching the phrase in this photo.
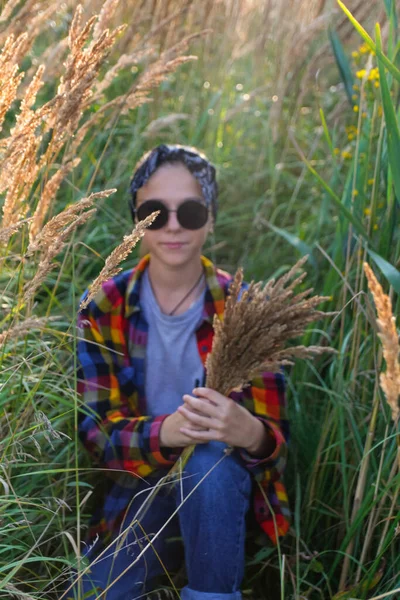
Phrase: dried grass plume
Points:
(256, 327)
(111, 268)
(390, 381)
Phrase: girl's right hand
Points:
(171, 437)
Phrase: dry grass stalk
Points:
(19, 168)
(390, 381)
(53, 229)
(29, 20)
(7, 232)
(52, 238)
(111, 268)
(10, 77)
(47, 196)
(81, 70)
(46, 263)
(254, 331)
(125, 60)
(152, 76)
(106, 14)
(25, 327)
(155, 127)
(8, 10)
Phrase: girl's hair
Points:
(195, 161)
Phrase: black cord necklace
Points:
(184, 298)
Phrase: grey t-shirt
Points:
(172, 363)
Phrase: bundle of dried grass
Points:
(256, 327)
(111, 268)
(390, 381)
(254, 331)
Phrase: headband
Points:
(196, 162)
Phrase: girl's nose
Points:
(173, 222)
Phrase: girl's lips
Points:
(173, 245)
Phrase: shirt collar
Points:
(214, 302)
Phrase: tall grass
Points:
(304, 168)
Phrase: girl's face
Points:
(173, 245)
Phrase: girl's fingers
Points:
(211, 395)
(202, 406)
(200, 437)
(196, 419)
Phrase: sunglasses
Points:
(191, 214)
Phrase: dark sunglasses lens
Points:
(149, 207)
(192, 214)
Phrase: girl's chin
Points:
(175, 256)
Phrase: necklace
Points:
(186, 295)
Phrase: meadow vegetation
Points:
(297, 104)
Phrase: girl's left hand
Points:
(223, 419)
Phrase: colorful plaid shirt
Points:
(113, 424)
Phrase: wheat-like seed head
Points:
(48, 194)
(390, 381)
(53, 228)
(111, 267)
(51, 239)
(24, 327)
(103, 20)
(256, 327)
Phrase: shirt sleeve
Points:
(110, 425)
(265, 398)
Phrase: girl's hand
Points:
(221, 419)
(171, 435)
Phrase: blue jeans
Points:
(211, 520)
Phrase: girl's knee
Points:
(218, 465)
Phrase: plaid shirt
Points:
(113, 425)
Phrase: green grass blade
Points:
(370, 42)
(296, 242)
(388, 270)
(390, 7)
(392, 127)
(358, 226)
(343, 64)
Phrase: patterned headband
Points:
(197, 164)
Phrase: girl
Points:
(144, 341)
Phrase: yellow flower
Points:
(377, 84)
(367, 211)
(356, 109)
(346, 154)
(373, 74)
(361, 74)
(371, 181)
(355, 54)
(350, 137)
(364, 49)
(364, 115)
(375, 226)
(336, 151)
(355, 87)
(354, 97)
(355, 192)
